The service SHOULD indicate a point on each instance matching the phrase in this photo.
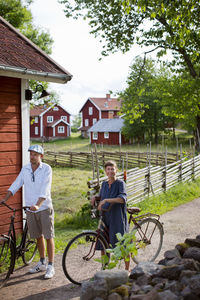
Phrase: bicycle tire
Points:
(149, 238)
(29, 247)
(7, 259)
(79, 257)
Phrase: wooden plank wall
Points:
(10, 147)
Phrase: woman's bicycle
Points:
(10, 249)
(81, 258)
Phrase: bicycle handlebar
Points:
(13, 209)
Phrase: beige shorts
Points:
(41, 223)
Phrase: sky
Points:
(78, 52)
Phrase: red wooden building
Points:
(20, 60)
(95, 109)
(49, 123)
(108, 132)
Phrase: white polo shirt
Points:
(36, 185)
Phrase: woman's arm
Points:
(110, 200)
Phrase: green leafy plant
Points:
(124, 249)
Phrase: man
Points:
(36, 178)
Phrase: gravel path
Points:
(179, 224)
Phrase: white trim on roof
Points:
(57, 122)
(89, 99)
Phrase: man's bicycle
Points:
(81, 258)
(10, 249)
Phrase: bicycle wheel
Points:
(79, 258)
(7, 259)
(29, 247)
(149, 239)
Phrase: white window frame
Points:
(36, 120)
(49, 119)
(61, 129)
(95, 135)
(86, 122)
(64, 118)
(90, 111)
(106, 135)
(94, 121)
(36, 130)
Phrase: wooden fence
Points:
(123, 159)
(153, 180)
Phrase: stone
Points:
(92, 289)
(168, 295)
(171, 272)
(114, 296)
(144, 279)
(148, 268)
(193, 242)
(182, 248)
(169, 254)
(123, 290)
(192, 252)
(194, 284)
(113, 278)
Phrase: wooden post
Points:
(177, 158)
(164, 185)
(97, 165)
(180, 167)
(93, 166)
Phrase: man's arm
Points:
(7, 196)
(38, 204)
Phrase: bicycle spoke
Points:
(149, 238)
(79, 259)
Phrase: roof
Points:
(107, 125)
(20, 58)
(105, 104)
(57, 122)
(41, 110)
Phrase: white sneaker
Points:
(38, 268)
(50, 272)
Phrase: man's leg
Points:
(50, 250)
(41, 246)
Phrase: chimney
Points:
(108, 97)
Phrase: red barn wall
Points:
(10, 146)
(113, 139)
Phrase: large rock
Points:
(192, 252)
(113, 278)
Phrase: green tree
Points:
(141, 106)
(162, 24)
(16, 12)
(76, 123)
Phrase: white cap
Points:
(36, 148)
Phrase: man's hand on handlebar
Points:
(34, 207)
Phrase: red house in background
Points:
(95, 109)
(107, 132)
(49, 123)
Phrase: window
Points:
(61, 129)
(55, 108)
(64, 118)
(86, 122)
(49, 119)
(36, 119)
(106, 135)
(94, 121)
(95, 135)
(90, 111)
(36, 130)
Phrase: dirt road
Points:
(182, 222)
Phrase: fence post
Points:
(97, 165)
(180, 166)
(164, 185)
(193, 165)
(93, 167)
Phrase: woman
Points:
(113, 193)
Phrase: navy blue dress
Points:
(116, 218)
